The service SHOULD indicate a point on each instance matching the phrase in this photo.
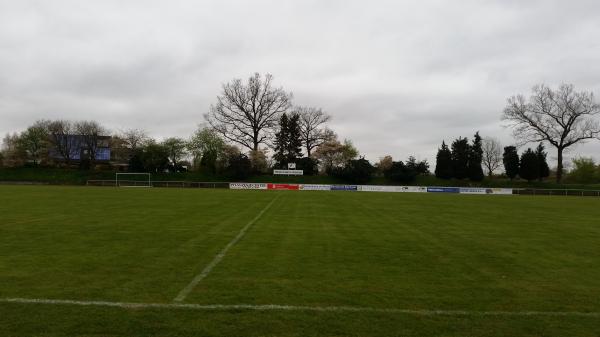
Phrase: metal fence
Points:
(557, 192)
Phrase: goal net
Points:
(133, 180)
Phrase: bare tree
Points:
(134, 138)
(492, 154)
(311, 127)
(247, 113)
(90, 133)
(62, 136)
(561, 117)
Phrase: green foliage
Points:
(529, 166)
(308, 165)
(460, 158)
(475, 170)
(207, 148)
(358, 171)
(176, 149)
(239, 167)
(398, 172)
(334, 155)
(510, 159)
(542, 162)
(420, 167)
(34, 141)
(584, 171)
(443, 167)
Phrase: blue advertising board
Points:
(443, 190)
(344, 188)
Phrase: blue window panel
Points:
(103, 153)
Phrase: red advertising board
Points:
(288, 187)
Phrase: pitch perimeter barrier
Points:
(158, 183)
(352, 188)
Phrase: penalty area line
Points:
(276, 307)
(204, 273)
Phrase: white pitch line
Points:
(186, 291)
(276, 307)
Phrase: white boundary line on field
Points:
(276, 307)
(204, 273)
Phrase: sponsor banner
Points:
(474, 190)
(344, 187)
(313, 187)
(504, 191)
(469, 190)
(443, 190)
(414, 189)
(288, 172)
(378, 188)
(247, 186)
(287, 187)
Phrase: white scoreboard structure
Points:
(291, 171)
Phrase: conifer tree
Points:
(288, 143)
(281, 141)
(475, 170)
(541, 155)
(510, 158)
(443, 163)
(460, 158)
(530, 166)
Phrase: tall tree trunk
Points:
(559, 168)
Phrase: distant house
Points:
(79, 149)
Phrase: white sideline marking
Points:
(186, 291)
(276, 307)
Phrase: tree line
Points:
(254, 127)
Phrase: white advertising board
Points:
(504, 191)
(481, 190)
(396, 189)
(473, 190)
(312, 187)
(247, 186)
(379, 188)
(288, 172)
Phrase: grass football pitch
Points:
(83, 261)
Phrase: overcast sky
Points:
(398, 77)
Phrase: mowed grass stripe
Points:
(198, 278)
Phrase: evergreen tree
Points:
(530, 167)
(510, 158)
(294, 139)
(288, 143)
(475, 170)
(460, 158)
(443, 163)
(544, 168)
(281, 140)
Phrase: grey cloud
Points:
(397, 76)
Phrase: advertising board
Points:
(288, 172)
(379, 188)
(247, 186)
(502, 191)
(283, 187)
(474, 190)
(344, 187)
(443, 190)
(314, 187)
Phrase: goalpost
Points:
(133, 180)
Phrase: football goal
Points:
(133, 180)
